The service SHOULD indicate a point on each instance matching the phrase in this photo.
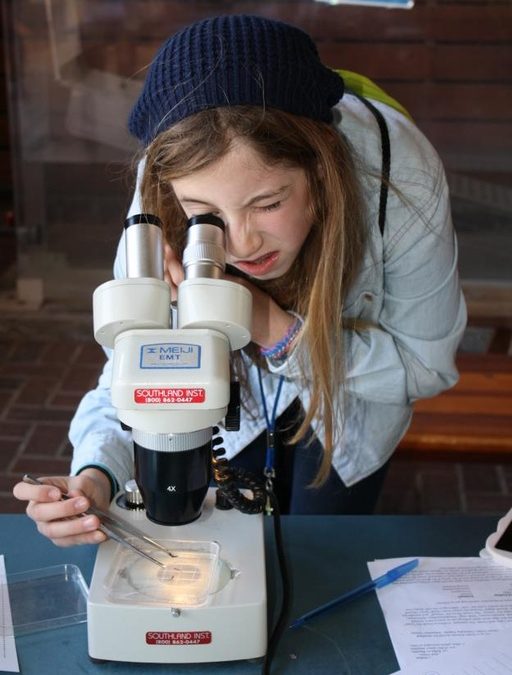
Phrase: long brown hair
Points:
(317, 283)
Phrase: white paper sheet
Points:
(492, 654)
(8, 655)
(445, 604)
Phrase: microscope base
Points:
(209, 604)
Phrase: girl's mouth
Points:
(259, 266)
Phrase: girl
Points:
(338, 222)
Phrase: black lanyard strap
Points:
(386, 158)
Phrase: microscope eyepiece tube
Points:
(204, 254)
(144, 246)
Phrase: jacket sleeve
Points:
(96, 434)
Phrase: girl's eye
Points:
(270, 207)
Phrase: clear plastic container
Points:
(46, 598)
(185, 580)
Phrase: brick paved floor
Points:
(46, 364)
(44, 371)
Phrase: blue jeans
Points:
(296, 467)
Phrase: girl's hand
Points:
(270, 322)
(60, 520)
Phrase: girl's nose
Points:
(242, 240)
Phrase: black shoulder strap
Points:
(386, 158)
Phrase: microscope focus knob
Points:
(132, 495)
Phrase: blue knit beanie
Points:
(234, 60)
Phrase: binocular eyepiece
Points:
(204, 255)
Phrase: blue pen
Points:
(379, 582)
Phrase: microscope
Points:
(205, 600)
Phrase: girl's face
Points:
(265, 209)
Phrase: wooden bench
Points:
(472, 420)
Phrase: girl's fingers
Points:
(64, 529)
(43, 493)
(47, 511)
(95, 537)
(63, 520)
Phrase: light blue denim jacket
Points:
(407, 288)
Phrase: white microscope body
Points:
(171, 386)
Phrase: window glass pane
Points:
(75, 67)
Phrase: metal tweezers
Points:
(115, 528)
